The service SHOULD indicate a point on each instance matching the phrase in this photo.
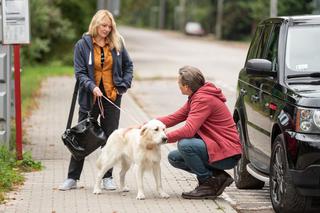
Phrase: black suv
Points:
(278, 113)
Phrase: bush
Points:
(236, 26)
(27, 164)
(49, 30)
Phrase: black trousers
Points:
(109, 123)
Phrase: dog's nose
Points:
(164, 140)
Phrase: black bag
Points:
(86, 136)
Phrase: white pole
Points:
(182, 17)
(219, 19)
(273, 8)
(162, 6)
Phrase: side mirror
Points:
(261, 67)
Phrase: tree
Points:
(49, 30)
(293, 7)
(238, 26)
(78, 13)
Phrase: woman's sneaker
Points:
(68, 184)
(109, 184)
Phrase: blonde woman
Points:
(103, 68)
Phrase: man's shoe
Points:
(68, 184)
(224, 180)
(108, 184)
(205, 190)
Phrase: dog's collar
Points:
(151, 146)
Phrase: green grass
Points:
(11, 169)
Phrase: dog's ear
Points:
(143, 130)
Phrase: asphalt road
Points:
(157, 56)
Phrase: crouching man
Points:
(208, 142)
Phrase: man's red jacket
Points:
(207, 115)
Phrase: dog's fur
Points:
(138, 146)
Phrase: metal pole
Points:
(17, 92)
(1, 21)
(219, 19)
(183, 14)
(162, 14)
(273, 8)
(101, 4)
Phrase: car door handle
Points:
(255, 98)
(243, 91)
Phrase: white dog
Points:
(138, 146)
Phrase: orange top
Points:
(103, 70)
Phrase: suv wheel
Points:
(284, 196)
(242, 178)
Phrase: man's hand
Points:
(97, 92)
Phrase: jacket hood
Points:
(88, 40)
(210, 89)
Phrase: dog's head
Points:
(154, 132)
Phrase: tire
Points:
(284, 196)
(242, 178)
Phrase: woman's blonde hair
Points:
(114, 38)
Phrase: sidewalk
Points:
(40, 193)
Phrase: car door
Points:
(260, 106)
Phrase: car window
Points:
(302, 52)
(263, 45)
(255, 42)
(271, 51)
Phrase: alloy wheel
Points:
(277, 175)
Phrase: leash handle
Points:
(132, 118)
(99, 99)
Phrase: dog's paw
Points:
(164, 195)
(140, 196)
(97, 191)
(125, 189)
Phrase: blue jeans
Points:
(192, 156)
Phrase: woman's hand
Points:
(97, 92)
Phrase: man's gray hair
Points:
(192, 77)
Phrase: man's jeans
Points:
(192, 156)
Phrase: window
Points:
(263, 45)
(271, 52)
(302, 53)
(255, 43)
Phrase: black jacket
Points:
(122, 70)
